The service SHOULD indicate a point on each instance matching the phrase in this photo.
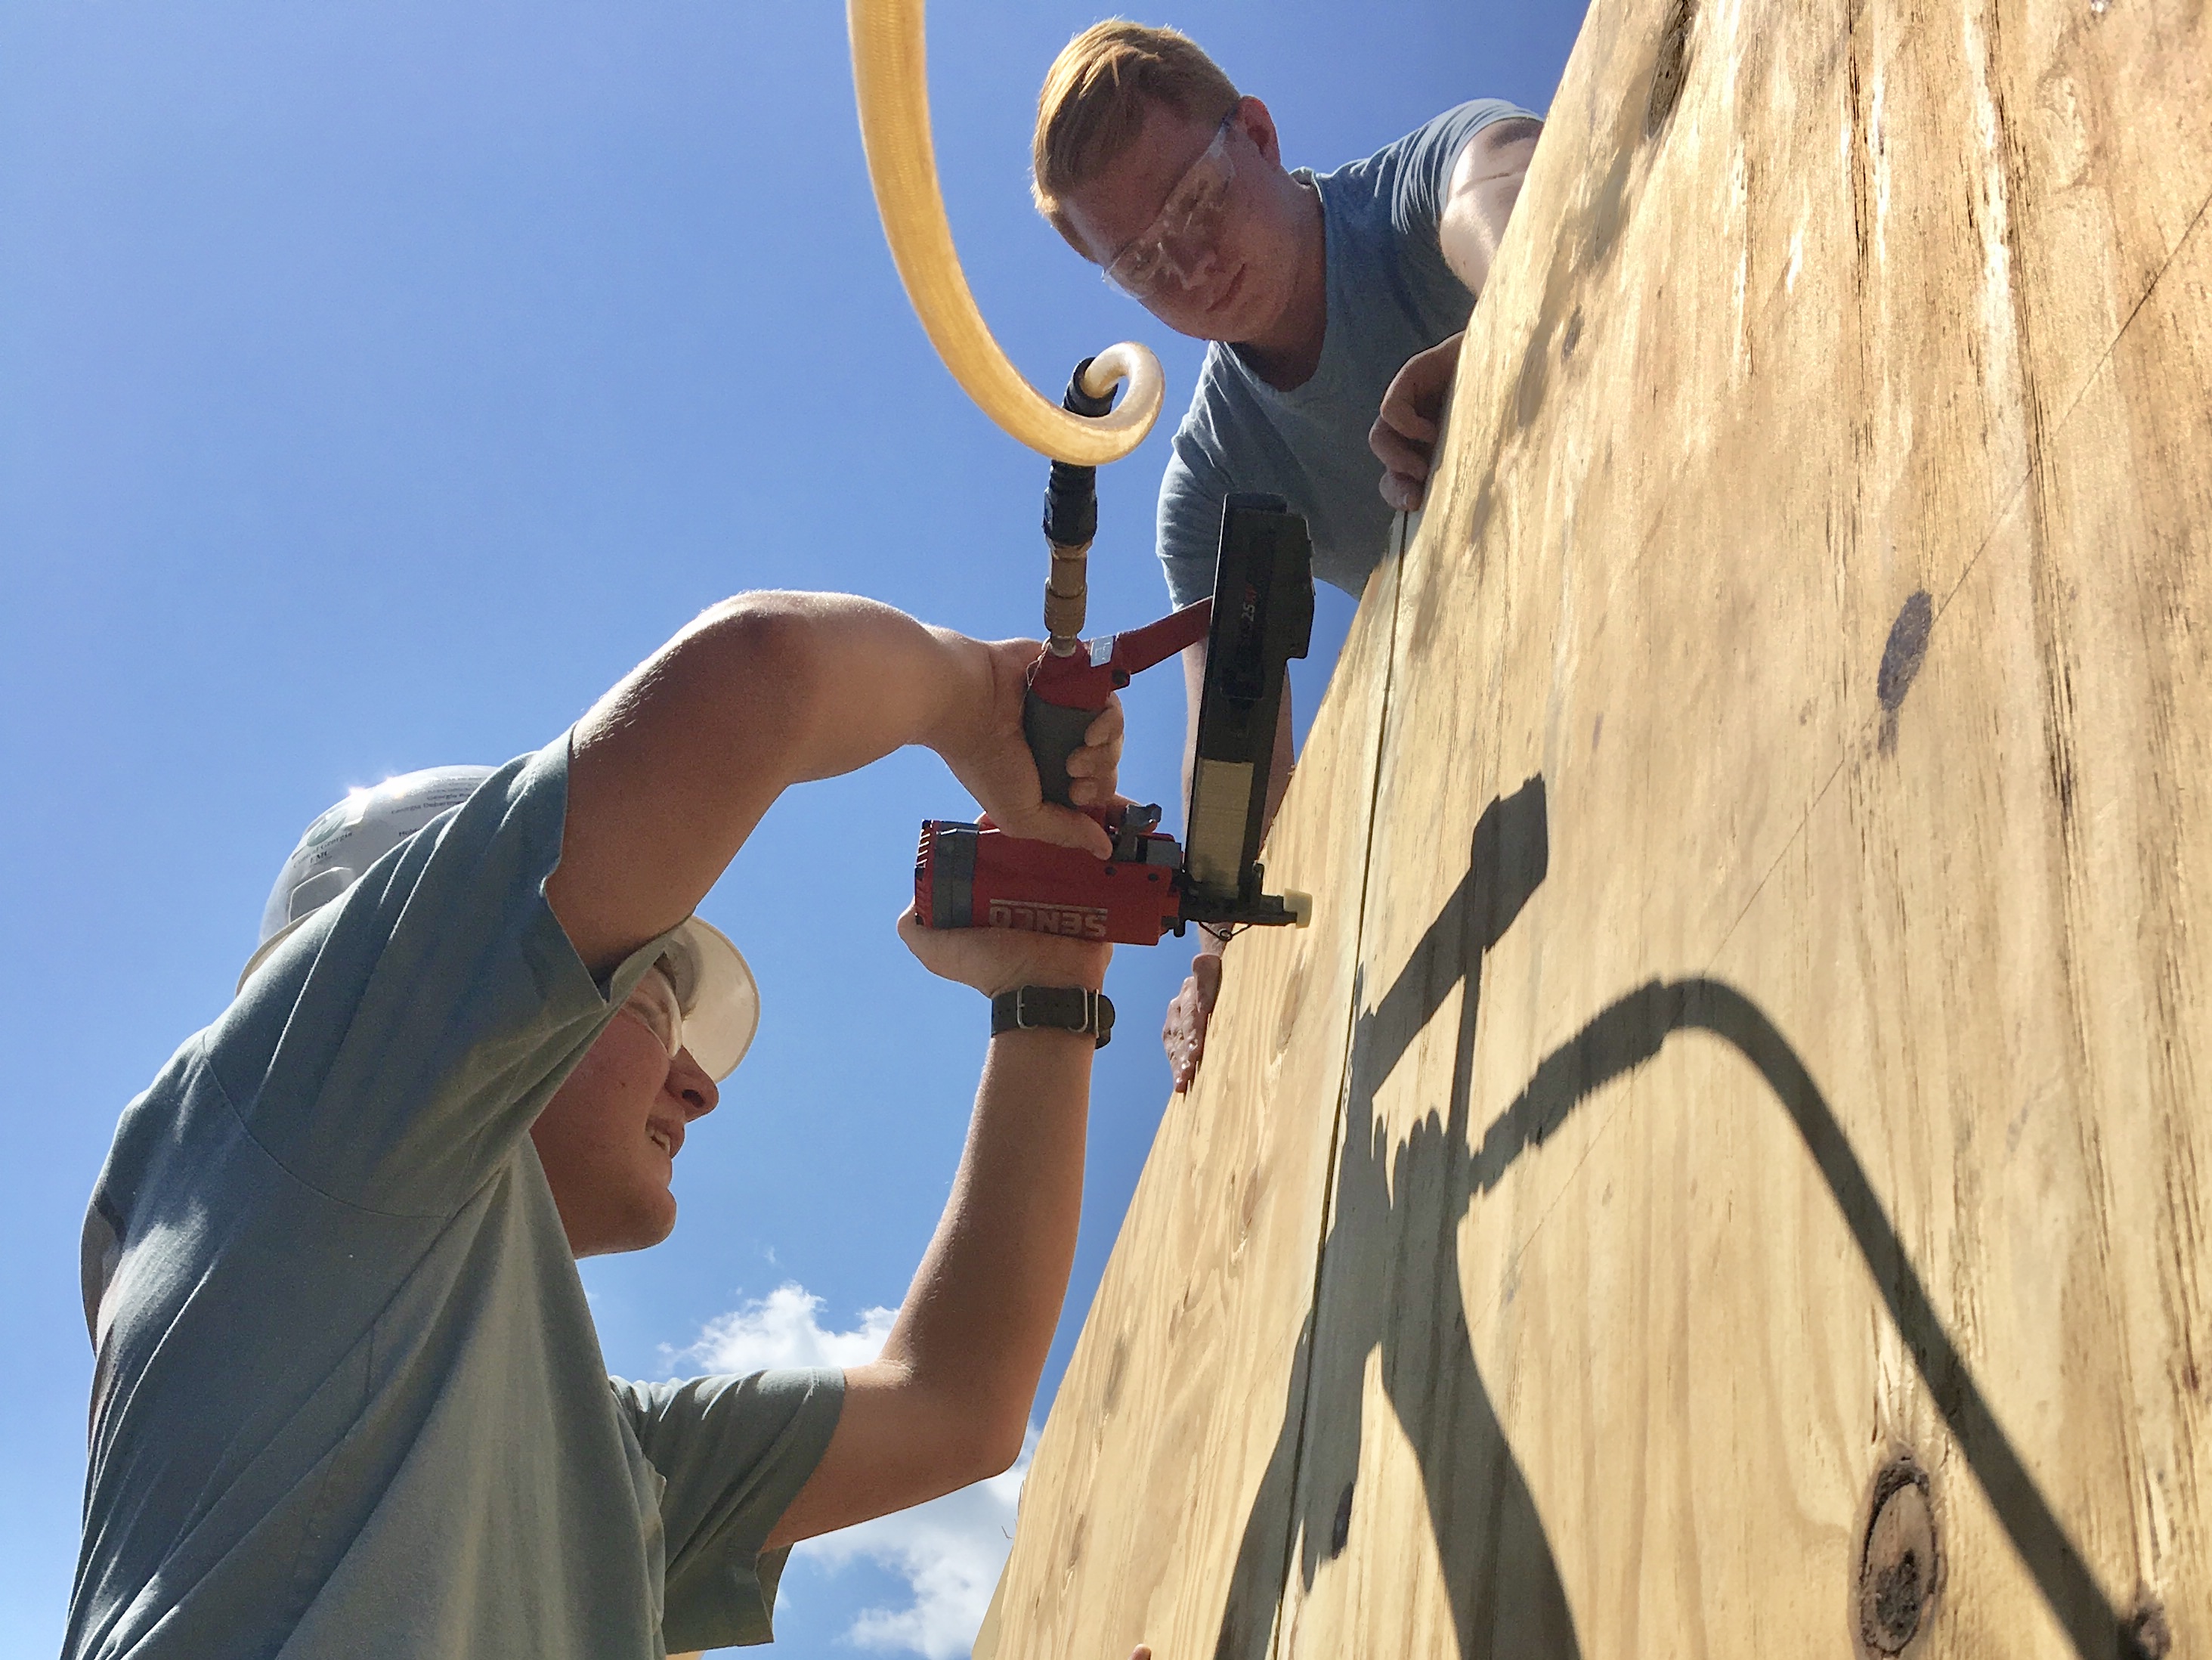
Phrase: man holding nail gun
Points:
(1334, 304)
(348, 1397)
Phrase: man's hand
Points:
(1404, 436)
(1485, 181)
(994, 960)
(1183, 1032)
(987, 752)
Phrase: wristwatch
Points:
(1054, 1008)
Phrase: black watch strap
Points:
(1054, 1008)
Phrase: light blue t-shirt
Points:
(1389, 295)
(348, 1399)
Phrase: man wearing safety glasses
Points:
(1334, 303)
(348, 1398)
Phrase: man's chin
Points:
(658, 1225)
(1191, 328)
(1235, 324)
(643, 1228)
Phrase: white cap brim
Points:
(721, 1000)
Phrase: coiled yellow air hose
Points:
(889, 75)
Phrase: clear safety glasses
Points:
(653, 1005)
(1174, 245)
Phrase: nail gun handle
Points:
(1054, 733)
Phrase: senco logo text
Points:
(1076, 922)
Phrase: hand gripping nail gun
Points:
(1260, 616)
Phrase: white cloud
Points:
(949, 1551)
(782, 1329)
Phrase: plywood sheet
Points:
(1156, 1506)
(1773, 1057)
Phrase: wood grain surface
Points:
(1194, 1352)
(1730, 1158)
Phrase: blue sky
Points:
(377, 384)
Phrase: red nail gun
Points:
(1260, 616)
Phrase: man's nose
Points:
(1191, 264)
(689, 1083)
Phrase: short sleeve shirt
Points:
(1390, 295)
(348, 1399)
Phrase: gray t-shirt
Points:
(348, 1399)
(1389, 295)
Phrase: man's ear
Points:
(1259, 126)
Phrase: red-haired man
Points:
(1334, 302)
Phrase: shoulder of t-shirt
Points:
(1202, 435)
(1411, 174)
(403, 1037)
(1199, 462)
(1194, 482)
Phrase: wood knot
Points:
(1904, 651)
(1671, 68)
(2145, 1635)
(1902, 654)
(1900, 1566)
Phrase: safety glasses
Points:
(653, 1005)
(1174, 245)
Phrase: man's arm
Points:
(949, 1400)
(668, 773)
(1485, 182)
(671, 771)
(1183, 1032)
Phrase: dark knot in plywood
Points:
(1117, 1372)
(2145, 1635)
(1900, 1566)
(1902, 654)
(1905, 651)
(1671, 67)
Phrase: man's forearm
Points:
(949, 1400)
(845, 680)
(978, 1318)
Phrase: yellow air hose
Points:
(890, 76)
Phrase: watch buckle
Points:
(1022, 1022)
